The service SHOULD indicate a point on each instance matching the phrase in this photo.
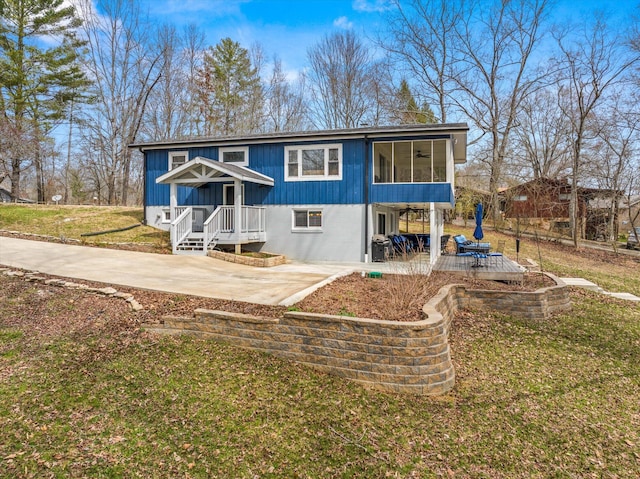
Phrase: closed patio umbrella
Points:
(477, 233)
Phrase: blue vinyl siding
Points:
(269, 160)
(412, 193)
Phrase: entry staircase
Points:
(218, 229)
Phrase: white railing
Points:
(178, 210)
(211, 228)
(226, 219)
(181, 227)
(253, 219)
(220, 222)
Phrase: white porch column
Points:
(173, 204)
(237, 213)
(436, 228)
(434, 238)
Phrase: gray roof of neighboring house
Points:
(4, 193)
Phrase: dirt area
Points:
(398, 297)
(392, 297)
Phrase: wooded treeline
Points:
(542, 99)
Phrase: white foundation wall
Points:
(341, 237)
(154, 216)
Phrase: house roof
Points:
(7, 194)
(557, 183)
(200, 170)
(458, 132)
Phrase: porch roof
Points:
(200, 170)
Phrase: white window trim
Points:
(227, 149)
(326, 176)
(306, 229)
(166, 216)
(520, 198)
(177, 153)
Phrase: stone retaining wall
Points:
(266, 262)
(403, 357)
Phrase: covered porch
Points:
(391, 219)
(195, 229)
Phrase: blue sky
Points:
(287, 28)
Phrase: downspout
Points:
(144, 186)
(366, 198)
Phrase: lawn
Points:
(85, 393)
(70, 222)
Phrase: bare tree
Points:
(494, 74)
(477, 60)
(126, 60)
(285, 104)
(340, 81)
(423, 38)
(171, 111)
(591, 62)
(540, 147)
(618, 132)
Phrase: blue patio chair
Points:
(400, 244)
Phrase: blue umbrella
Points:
(477, 233)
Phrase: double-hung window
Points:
(177, 158)
(307, 220)
(313, 162)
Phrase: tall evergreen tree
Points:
(38, 79)
(228, 87)
(408, 111)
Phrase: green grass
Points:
(70, 222)
(545, 399)
(555, 398)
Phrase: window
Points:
(313, 162)
(166, 215)
(417, 161)
(307, 219)
(520, 198)
(177, 158)
(236, 155)
(564, 196)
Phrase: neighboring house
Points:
(6, 197)
(550, 199)
(318, 195)
(629, 211)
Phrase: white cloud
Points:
(372, 5)
(343, 22)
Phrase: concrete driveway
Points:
(194, 275)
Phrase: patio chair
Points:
(461, 241)
(400, 245)
(468, 257)
(498, 253)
